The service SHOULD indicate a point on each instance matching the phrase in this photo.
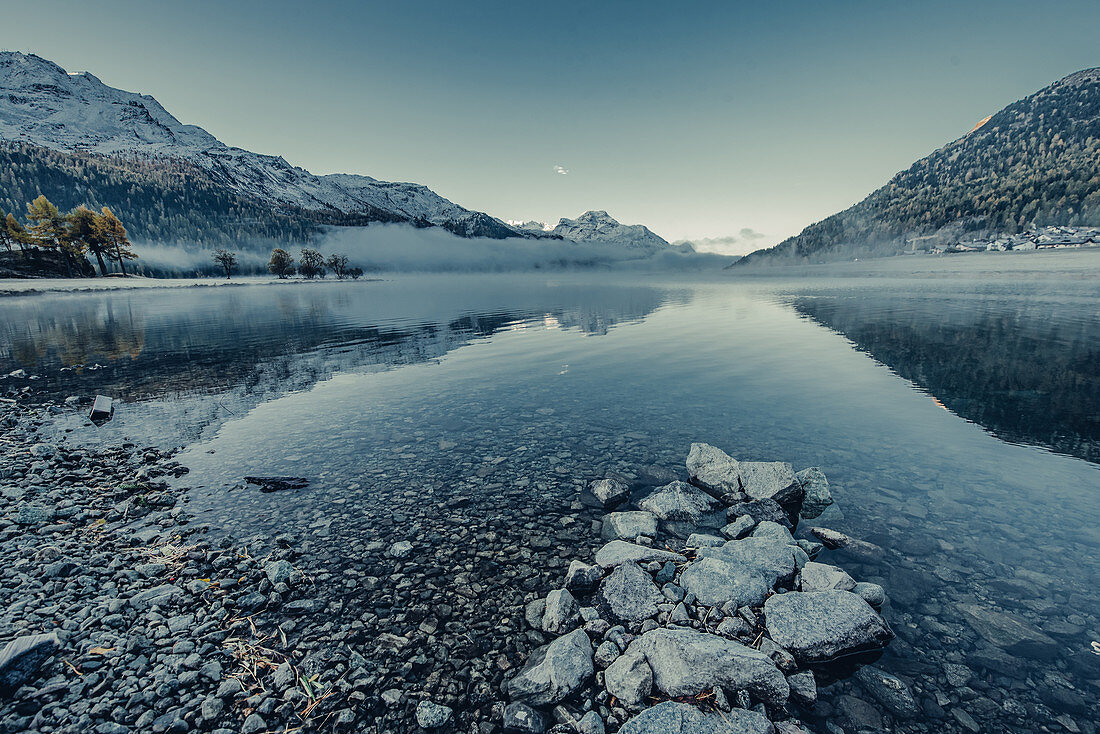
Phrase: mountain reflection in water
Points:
(1026, 368)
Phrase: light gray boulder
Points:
(686, 662)
(561, 612)
(619, 551)
(683, 718)
(713, 469)
(629, 678)
(715, 581)
(823, 577)
(702, 540)
(554, 671)
(628, 525)
(817, 626)
(815, 489)
(772, 558)
(609, 491)
(772, 480)
(683, 508)
(629, 594)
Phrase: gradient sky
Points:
(697, 119)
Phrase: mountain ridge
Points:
(1034, 162)
(88, 142)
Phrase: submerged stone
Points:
(815, 489)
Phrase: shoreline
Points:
(236, 638)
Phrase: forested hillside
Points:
(158, 198)
(1035, 162)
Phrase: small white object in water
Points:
(1095, 647)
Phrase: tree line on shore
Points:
(311, 264)
(74, 235)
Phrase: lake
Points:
(956, 413)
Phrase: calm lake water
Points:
(957, 418)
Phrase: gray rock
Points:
(32, 515)
(686, 662)
(772, 480)
(702, 540)
(278, 572)
(22, 657)
(609, 491)
(534, 612)
(606, 653)
(873, 594)
(431, 715)
(1009, 632)
(156, 596)
(554, 671)
(629, 678)
(713, 469)
(400, 549)
(816, 494)
(818, 626)
(888, 690)
(803, 688)
(733, 627)
(860, 715)
(682, 718)
(771, 558)
(739, 528)
(823, 577)
(619, 551)
(715, 581)
(582, 577)
(591, 723)
(682, 503)
(283, 677)
(561, 612)
(629, 525)
(629, 594)
(253, 724)
(519, 718)
(761, 510)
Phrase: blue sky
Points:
(697, 119)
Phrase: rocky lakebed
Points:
(698, 601)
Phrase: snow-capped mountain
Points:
(42, 104)
(599, 226)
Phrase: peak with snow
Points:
(42, 104)
(599, 226)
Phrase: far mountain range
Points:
(79, 141)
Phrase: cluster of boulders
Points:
(719, 630)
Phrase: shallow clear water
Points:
(510, 391)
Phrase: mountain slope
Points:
(1035, 162)
(44, 107)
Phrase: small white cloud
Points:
(561, 169)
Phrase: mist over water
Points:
(403, 248)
